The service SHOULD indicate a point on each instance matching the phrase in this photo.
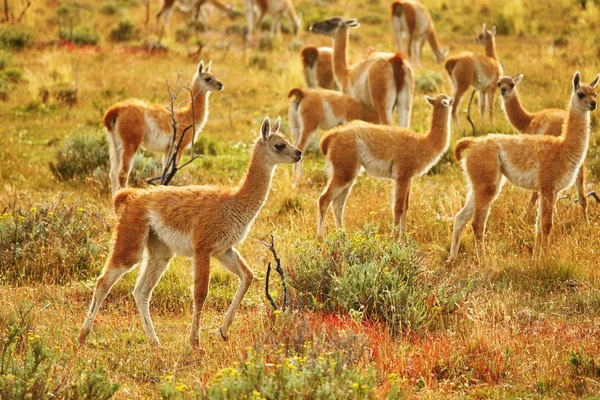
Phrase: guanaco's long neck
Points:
(255, 189)
(438, 137)
(196, 114)
(490, 48)
(340, 57)
(516, 114)
(577, 132)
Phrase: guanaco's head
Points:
(507, 86)
(486, 35)
(277, 147)
(584, 96)
(330, 26)
(441, 100)
(205, 81)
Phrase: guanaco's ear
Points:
(595, 81)
(275, 126)
(351, 23)
(430, 100)
(576, 81)
(518, 79)
(208, 66)
(201, 67)
(265, 128)
(494, 30)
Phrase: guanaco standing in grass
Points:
(385, 152)
(545, 122)
(544, 163)
(186, 6)
(199, 222)
(134, 123)
(382, 81)
(479, 71)
(275, 8)
(311, 109)
(413, 19)
(317, 66)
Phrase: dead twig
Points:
(279, 270)
(594, 195)
(27, 4)
(469, 113)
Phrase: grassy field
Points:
(369, 318)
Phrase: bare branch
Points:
(594, 195)
(279, 270)
(27, 4)
(469, 113)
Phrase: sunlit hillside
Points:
(367, 316)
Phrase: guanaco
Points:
(188, 5)
(275, 8)
(317, 66)
(413, 19)
(545, 122)
(382, 81)
(198, 222)
(385, 152)
(480, 71)
(133, 123)
(311, 109)
(544, 163)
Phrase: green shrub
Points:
(30, 370)
(429, 82)
(593, 158)
(14, 37)
(79, 156)
(371, 277)
(81, 35)
(12, 74)
(124, 32)
(5, 59)
(206, 146)
(51, 244)
(108, 8)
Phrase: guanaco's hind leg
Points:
(462, 76)
(338, 185)
(201, 281)
(402, 188)
(544, 223)
(581, 197)
(460, 221)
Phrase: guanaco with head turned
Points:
(413, 19)
(317, 67)
(385, 152)
(545, 122)
(134, 123)
(198, 222)
(311, 109)
(276, 9)
(480, 71)
(544, 163)
(382, 81)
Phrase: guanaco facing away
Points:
(198, 222)
(546, 164)
(480, 71)
(412, 17)
(134, 123)
(317, 67)
(188, 5)
(384, 152)
(545, 122)
(312, 109)
(382, 81)
(275, 8)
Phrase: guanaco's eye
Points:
(499, 84)
(580, 95)
(207, 79)
(512, 85)
(280, 146)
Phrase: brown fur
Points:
(545, 122)
(134, 123)
(275, 8)
(317, 65)
(385, 152)
(194, 5)
(544, 163)
(397, 63)
(199, 222)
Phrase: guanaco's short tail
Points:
(461, 145)
(396, 9)
(110, 118)
(397, 62)
(310, 55)
(449, 65)
(297, 92)
(121, 198)
(325, 143)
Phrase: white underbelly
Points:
(155, 139)
(179, 242)
(374, 165)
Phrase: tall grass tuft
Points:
(369, 276)
(80, 155)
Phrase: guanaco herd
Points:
(355, 103)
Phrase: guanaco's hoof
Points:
(223, 336)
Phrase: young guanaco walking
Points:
(413, 19)
(479, 71)
(188, 5)
(317, 66)
(544, 163)
(275, 8)
(311, 109)
(384, 152)
(134, 123)
(383, 81)
(198, 222)
(545, 122)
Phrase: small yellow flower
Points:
(33, 209)
(355, 385)
(50, 214)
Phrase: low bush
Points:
(14, 37)
(80, 155)
(81, 35)
(371, 277)
(124, 32)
